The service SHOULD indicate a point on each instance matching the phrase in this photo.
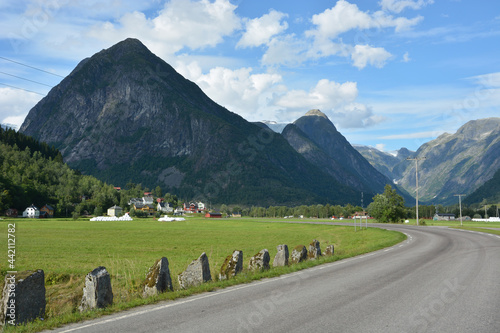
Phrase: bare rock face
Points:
(23, 298)
(329, 250)
(196, 273)
(299, 254)
(232, 265)
(158, 279)
(281, 258)
(97, 292)
(260, 261)
(314, 250)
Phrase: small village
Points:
(146, 205)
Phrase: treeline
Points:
(307, 211)
(473, 211)
(12, 138)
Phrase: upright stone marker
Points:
(260, 261)
(97, 292)
(281, 258)
(196, 273)
(158, 279)
(232, 265)
(23, 298)
(314, 250)
(329, 250)
(299, 254)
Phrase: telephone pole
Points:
(416, 159)
(460, 203)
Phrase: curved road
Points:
(438, 280)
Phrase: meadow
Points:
(67, 250)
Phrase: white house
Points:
(164, 207)
(115, 211)
(32, 212)
(144, 200)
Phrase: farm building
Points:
(213, 215)
(444, 217)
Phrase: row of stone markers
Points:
(23, 297)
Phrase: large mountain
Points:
(316, 138)
(125, 115)
(455, 163)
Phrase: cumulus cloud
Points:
(260, 30)
(286, 50)
(345, 16)
(363, 55)
(15, 105)
(397, 6)
(240, 90)
(324, 96)
(180, 24)
(355, 115)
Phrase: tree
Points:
(388, 206)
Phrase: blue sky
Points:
(388, 73)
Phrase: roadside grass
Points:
(489, 231)
(455, 223)
(67, 250)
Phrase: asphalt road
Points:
(438, 280)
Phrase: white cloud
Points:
(355, 115)
(15, 105)
(286, 50)
(406, 57)
(180, 24)
(324, 96)
(240, 90)
(491, 80)
(397, 6)
(259, 31)
(341, 18)
(345, 16)
(365, 54)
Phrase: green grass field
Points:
(67, 250)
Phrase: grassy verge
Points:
(489, 231)
(455, 223)
(67, 250)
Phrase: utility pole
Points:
(460, 203)
(416, 159)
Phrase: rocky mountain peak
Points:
(316, 112)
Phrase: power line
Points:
(38, 69)
(34, 92)
(22, 78)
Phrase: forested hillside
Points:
(33, 173)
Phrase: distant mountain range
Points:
(124, 115)
(458, 163)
